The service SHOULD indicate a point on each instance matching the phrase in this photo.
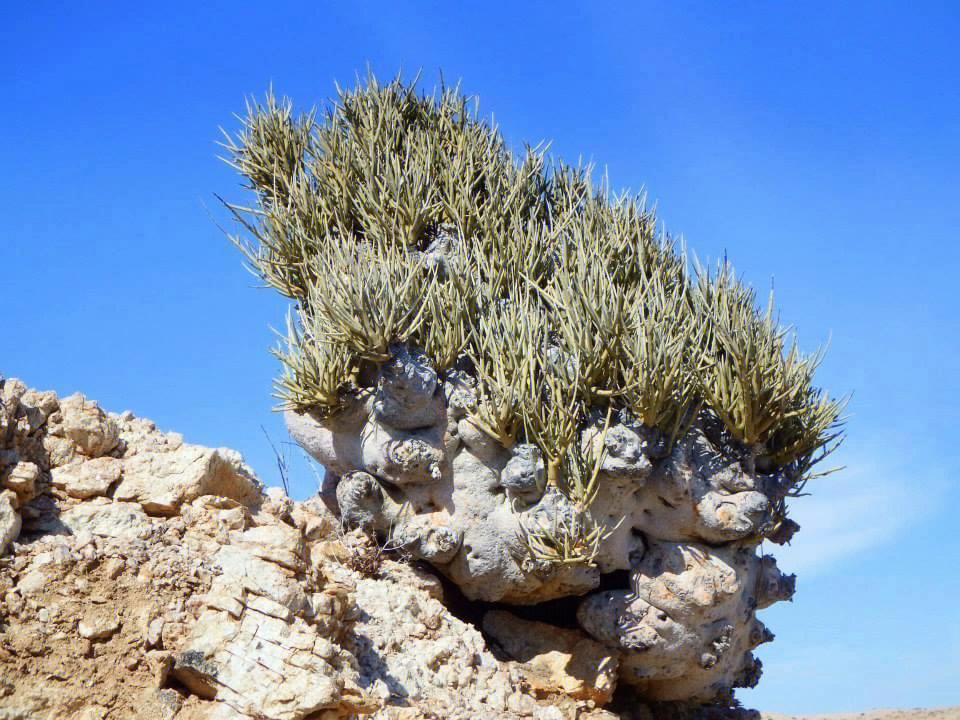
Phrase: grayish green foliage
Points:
(564, 302)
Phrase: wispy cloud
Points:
(867, 504)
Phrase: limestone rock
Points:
(242, 569)
(59, 450)
(98, 625)
(9, 520)
(87, 426)
(87, 479)
(278, 543)
(412, 652)
(265, 667)
(22, 480)
(107, 519)
(156, 563)
(556, 660)
(313, 519)
(142, 435)
(163, 481)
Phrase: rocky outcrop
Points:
(146, 575)
(679, 526)
(203, 595)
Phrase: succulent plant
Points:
(395, 218)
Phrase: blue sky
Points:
(815, 143)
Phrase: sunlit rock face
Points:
(170, 583)
(680, 525)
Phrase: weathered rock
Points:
(160, 704)
(119, 520)
(243, 569)
(87, 479)
(22, 480)
(411, 652)
(9, 520)
(556, 660)
(163, 481)
(98, 625)
(277, 543)
(106, 612)
(59, 450)
(87, 426)
(141, 435)
(255, 605)
(11, 390)
(265, 667)
(313, 519)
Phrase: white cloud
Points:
(868, 503)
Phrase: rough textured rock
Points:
(163, 481)
(9, 520)
(556, 660)
(681, 524)
(22, 480)
(87, 426)
(106, 519)
(237, 605)
(87, 479)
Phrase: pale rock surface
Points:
(412, 653)
(98, 625)
(163, 481)
(9, 519)
(280, 544)
(556, 660)
(234, 606)
(87, 479)
(120, 520)
(87, 426)
(22, 480)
